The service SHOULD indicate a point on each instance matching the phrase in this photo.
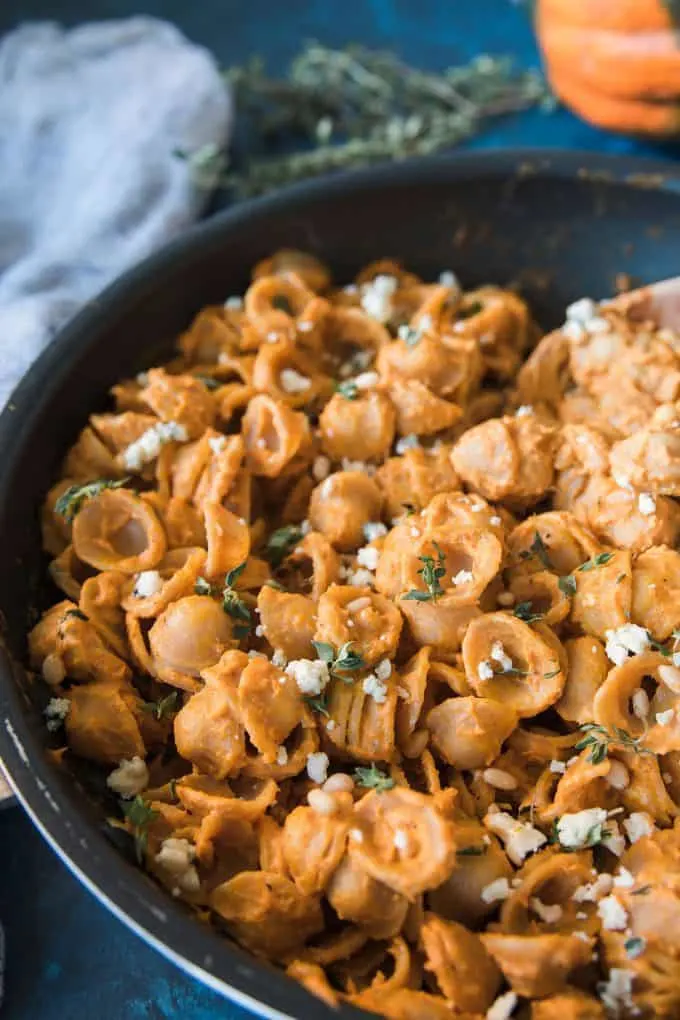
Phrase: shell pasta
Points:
(369, 623)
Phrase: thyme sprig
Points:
(600, 742)
(281, 542)
(138, 813)
(431, 572)
(345, 108)
(163, 708)
(597, 561)
(347, 389)
(373, 778)
(525, 611)
(232, 603)
(71, 501)
(345, 660)
(539, 549)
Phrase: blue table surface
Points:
(67, 956)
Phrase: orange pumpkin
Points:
(615, 62)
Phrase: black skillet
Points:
(562, 225)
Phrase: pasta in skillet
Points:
(371, 622)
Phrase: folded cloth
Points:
(90, 182)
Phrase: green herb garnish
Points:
(524, 611)
(233, 604)
(467, 311)
(163, 707)
(318, 703)
(551, 676)
(471, 851)
(600, 742)
(139, 815)
(538, 549)
(634, 947)
(431, 573)
(373, 778)
(281, 542)
(71, 501)
(345, 661)
(594, 837)
(77, 614)
(347, 389)
(567, 585)
(209, 382)
(203, 587)
(597, 561)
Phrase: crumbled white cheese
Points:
(233, 303)
(448, 279)
(675, 659)
(366, 380)
(415, 532)
(148, 582)
(558, 767)
(259, 631)
(373, 530)
(548, 912)
(400, 839)
(177, 856)
(293, 382)
(252, 654)
(383, 670)
(311, 675)
(499, 655)
(321, 468)
(485, 670)
(358, 465)
(665, 718)
(357, 835)
(55, 712)
(375, 688)
(637, 825)
(617, 992)
(142, 378)
(217, 443)
(149, 445)
(593, 891)
(351, 288)
(463, 577)
(628, 638)
(130, 778)
(582, 310)
(279, 659)
(376, 297)
(646, 504)
(499, 779)
(640, 703)
(53, 669)
(282, 756)
(330, 725)
(520, 838)
(624, 879)
(495, 521)
(359, 578)
(499, 889)
(503, 1007)
(410, 442)
(317, 766)
(305, 527)
(368, 557)
(305, 326)
(574, 829)
(524, 410)
(612, 914)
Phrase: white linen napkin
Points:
(90, 119)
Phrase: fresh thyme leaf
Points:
(620, 578)
(634, 947)
(411, 335)
(550, 676)
(538, 549)
(338, 109)
(471, 851)
(567, 585)
(597, 561)
(595, 835)
(71, 501)
(139, 815)
(642, 891)
(319, 703)
(431, 572)
(658, 646)
(513, 671)
(203, 587)
(209, 382)
(281, 542)
(77, 614)
(524, 611)
(164, 707)
(347, 389)
(233, 575)
(410, 510)
(345, 661)
(173, 789)
(373, 778)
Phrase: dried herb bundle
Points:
(342, 109)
